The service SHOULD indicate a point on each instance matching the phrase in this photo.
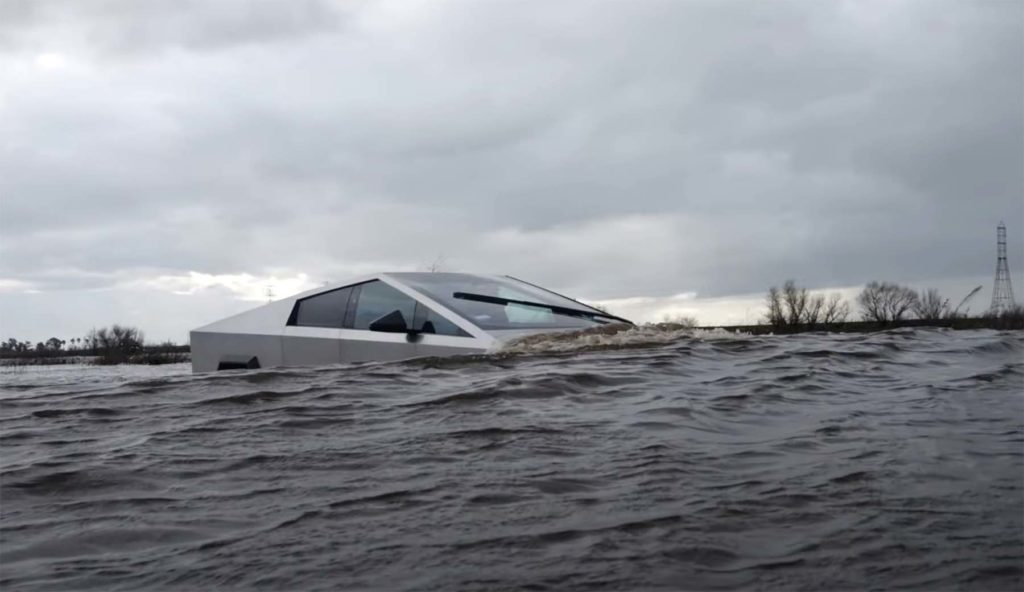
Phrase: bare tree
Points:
(871, 303)
(793, 305)
(836, 309)
(439, 264)
(930, 306)
(795, 300)
(116, 344)
(812, 312)
(885, 302)
(775, 315)
(901, 300)
(680, 320)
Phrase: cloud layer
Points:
(609, 150)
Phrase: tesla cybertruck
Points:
(389, 316)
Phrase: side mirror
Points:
(393, 322)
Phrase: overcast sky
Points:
(163, 162)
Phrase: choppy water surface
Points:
(668, 461)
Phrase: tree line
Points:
(117, 344)
(880, 303)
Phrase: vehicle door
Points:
(314, 331)
(371, 302)
(440, 336)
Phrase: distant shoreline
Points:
(150, 356)
(7, 361)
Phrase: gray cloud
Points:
(611, 149)
(119, 27)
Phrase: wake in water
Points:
(615, 336)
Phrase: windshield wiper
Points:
(562, 310)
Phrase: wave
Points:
(613, 337)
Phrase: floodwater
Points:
(645, 460)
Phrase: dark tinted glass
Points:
(377, 299)
(322, 310)
(432, 323)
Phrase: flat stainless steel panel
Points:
(446, 350)
(209, 348)
(444, 345)
(311, 346)
(373, 346)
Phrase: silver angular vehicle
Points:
(389, 316)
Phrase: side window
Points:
(322, 310)
(377, 299)
(432, 323)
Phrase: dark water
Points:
(807, 462)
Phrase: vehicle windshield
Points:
(443, 287)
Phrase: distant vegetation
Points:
(679, 321)
(793, 306)
(117, 344)
(881, 305)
